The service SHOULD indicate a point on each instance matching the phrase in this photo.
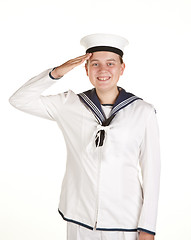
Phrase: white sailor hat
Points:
(104, 42)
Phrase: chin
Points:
(105, 88)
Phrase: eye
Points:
(110, 64)
(95, 64)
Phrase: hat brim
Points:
(105, 48)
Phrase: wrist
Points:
(54, 74)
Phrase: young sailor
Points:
(109, 134)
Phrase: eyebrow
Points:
(95, 60)
(111, 59)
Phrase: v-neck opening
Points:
(91, 99)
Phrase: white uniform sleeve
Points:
(150, 168)
(28, 98)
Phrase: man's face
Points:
(104, 70)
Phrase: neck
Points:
(108, 97)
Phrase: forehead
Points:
(103, 55)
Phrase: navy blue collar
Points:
(90, 99)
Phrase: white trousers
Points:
(77, 232)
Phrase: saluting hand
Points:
(69, 65)
(145, 236)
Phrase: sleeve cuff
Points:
(145, 230)
(50, 75)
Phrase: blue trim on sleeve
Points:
(147, 231)
(50, 75)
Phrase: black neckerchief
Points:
(90, 99)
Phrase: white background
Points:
(40, 34)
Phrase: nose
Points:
(102, 68)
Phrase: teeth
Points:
(103, 78)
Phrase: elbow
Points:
(11, 100)
(16, 102)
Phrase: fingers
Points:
(87, 55)
(69, 65)
(80, 59)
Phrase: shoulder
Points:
(145, 106)
(143, 109)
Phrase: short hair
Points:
(121, 59)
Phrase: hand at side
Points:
(145, 236)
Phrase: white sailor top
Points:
(102, 188)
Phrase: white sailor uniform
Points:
(101, 188)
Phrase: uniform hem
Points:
(71, 220)
(117, 229)
(100, 229)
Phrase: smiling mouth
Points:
(103, 78)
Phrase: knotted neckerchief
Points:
(90, 99)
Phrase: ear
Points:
(86, 67)
(122, 68)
